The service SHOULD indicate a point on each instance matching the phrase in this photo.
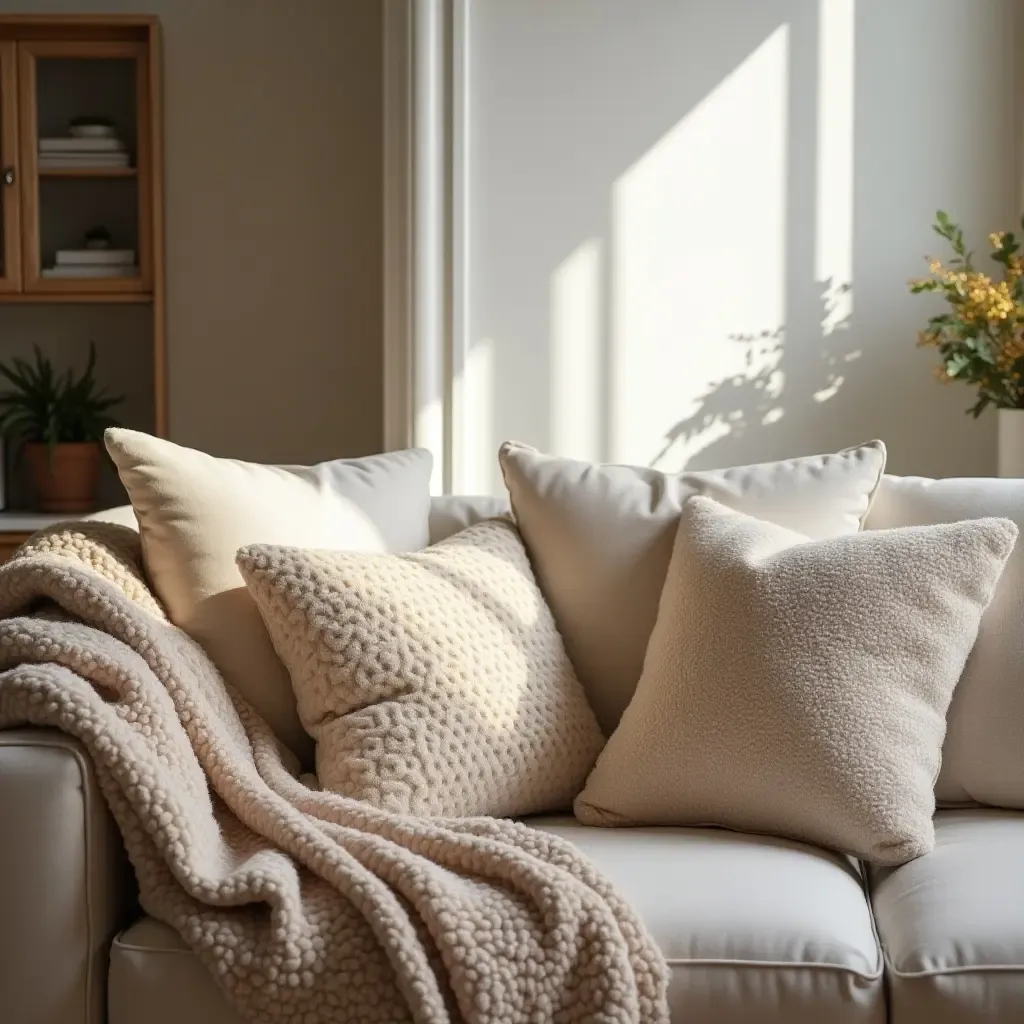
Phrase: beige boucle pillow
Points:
(600, 539)
(434, 683)
(195, 511)
(800, 687)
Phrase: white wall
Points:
(691, 224)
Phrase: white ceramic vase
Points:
(1011, 442)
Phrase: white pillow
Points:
(600, 539)
(983, 756)
(800, 687)
(195, 511)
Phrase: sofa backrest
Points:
(453, 512)
(448, 514)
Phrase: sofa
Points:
(756, 930)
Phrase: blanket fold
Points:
(306, 906)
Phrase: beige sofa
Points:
(755, 929)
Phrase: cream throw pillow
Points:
(800, 687)
(434, 683)
(600, 539)
(983, 756)
(195, 511)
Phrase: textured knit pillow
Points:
(799, 687)
(983, 756)
(196, 511)
(434, 683)
(600, 539)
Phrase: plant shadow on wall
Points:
(778, 382)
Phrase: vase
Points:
(65, 476)
(1011, 442)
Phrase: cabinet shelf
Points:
(69, 298)
(88, 172)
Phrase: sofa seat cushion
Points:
(951, 922)
(756, 931)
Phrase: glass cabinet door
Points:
(87, 165)
(10, 224)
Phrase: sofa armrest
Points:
(65, 883)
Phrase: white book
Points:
(69, 145)
(84, 159)
(90, 271)
(95, 257)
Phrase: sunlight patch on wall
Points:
(834, 250)
(698, 266)
(576, 354)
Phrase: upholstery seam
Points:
(159, 950)
(865, 886)
(131, 947)
(773, 965)
(939, 972)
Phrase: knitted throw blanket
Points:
(306, 906)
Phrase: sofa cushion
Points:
(756, 931)
(600, 538)
(983, 754)
(798, 686)
(195, 511)
(155, 977)
(434, 683)
(951, 923)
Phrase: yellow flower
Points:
(935, 266)
(996, 239)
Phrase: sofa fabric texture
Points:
(951, 923)
(800, 687)
(755, 930)
(195, 511)
(65, 883)
(434, 683)
(983, 754)
(600, 538)
(298, 901)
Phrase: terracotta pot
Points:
(65, 477)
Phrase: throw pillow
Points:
(434, 683)
(799, 687)
(195, 511)
(600, 538)
(983, 756)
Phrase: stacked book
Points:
(73, 152)
(93, 263)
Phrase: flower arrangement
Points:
(981, 338)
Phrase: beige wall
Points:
(273, 199)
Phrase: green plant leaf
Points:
(54, 407)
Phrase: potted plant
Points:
(59, 419)
(980, 338)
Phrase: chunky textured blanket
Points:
(306, 906)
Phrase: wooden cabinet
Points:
(54, 71)
(81, 214)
